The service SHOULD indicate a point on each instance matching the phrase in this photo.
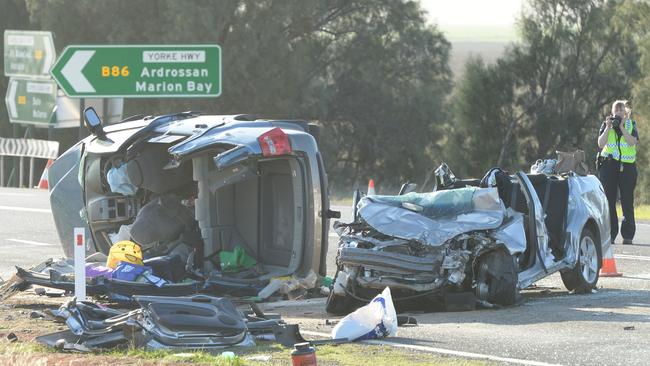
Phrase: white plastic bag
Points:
(375, 320)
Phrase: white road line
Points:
(31, 242)
(342, 209)
(634, 257)
(443, 351)
(25, 209)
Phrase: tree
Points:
(483, 111)
(371, 72)
(574, 58)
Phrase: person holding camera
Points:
(617, 172)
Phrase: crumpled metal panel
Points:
(512, 233)
(451, 213)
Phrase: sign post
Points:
(139, 71)
(80, 263)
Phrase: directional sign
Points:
(140, 71)
(28, 53)
(31, 101)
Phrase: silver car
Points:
(486, 239)
(208, 183)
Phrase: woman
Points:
(617, 140)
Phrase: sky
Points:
(458, 13)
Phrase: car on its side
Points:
(204, 183)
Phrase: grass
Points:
(342, 355)
(641, 212)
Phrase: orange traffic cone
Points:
(43, 184)
(609, 265)
(371, 187)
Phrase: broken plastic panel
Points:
(274, 143)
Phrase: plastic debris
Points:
(375, 320)
(236, 260)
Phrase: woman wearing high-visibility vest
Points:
(617, 140)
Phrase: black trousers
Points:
(614, 181)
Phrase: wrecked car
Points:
(223, 200)
(486, 238)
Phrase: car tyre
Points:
(496, 278)
(582, 278)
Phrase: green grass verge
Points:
(641, 212)
(342, 355)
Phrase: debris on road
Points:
(374, 320)
(11, 337)
(35, 314)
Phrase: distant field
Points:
(479, 34)
(488, 42)
(461, 51)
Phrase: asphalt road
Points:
(610, 327)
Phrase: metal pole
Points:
(82, 106)
(20, 174)
(14, 161)
(105, 114)
(31, 172)
(2, 171)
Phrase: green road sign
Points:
(131, 71)
(28, 53)
(31, 101)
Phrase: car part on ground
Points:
(194, 322)
(490, 237)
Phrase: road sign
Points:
(28, 53)
(31, 101)
(139, 71)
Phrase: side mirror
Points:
(94, 123)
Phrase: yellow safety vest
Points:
(627, 153)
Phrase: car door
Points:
(537, 238)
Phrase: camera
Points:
(616, 121)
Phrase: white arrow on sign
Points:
(49, 55)
(72, 71)
(13, 85)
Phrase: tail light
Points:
(274, 142)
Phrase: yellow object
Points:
(124, 251)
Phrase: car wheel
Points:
(584, 276)
(496, 278)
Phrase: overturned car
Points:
(487, 238)
(189, 188)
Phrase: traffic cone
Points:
(609, 265)
(43, 184)
(371, 187)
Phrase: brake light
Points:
(274, 142)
